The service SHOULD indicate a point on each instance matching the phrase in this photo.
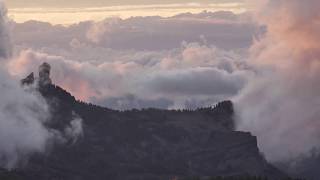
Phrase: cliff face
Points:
(146, 144)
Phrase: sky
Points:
(93, 3)
(72, 11)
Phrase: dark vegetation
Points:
(147, 144)
(237, 178)
(307, 166)
(5, 175)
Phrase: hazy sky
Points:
(73, 11)
(86, 3)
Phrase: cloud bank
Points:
(281, 104)
(193, 72)
(142, 62)
(223, 29)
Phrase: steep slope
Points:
(147, 144)
(304, 167)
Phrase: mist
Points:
(280, 105)
(23, 113)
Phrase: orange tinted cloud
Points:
(281, 104)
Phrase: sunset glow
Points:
(74, 15)
(169, 89)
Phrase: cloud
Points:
(172, 77)
(76, 13)
(99, 3)
(75, 129)
(139, 62)
(222, 29)
(281, 104)
(204, 80)
(23, 112)
(5, 48)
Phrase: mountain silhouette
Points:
(146, 144)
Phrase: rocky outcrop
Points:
(43, 79)
(44, 74)
(28, 80)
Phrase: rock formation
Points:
(28, 80)
(44, 74)
(43, 79)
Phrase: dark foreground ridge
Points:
(147, 144)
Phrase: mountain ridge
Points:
(147, 144)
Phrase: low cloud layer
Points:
(144, 61)
(223, 29)
(193, 72)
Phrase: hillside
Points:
(148, 144)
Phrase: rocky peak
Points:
(28, 80)
(44, 74)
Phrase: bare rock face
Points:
(44, 74)
(43, 79)
(28, 80)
